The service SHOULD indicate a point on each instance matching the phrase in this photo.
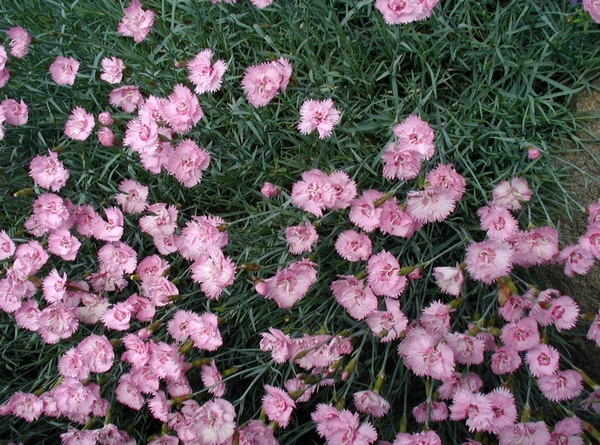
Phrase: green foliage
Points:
(492, 78)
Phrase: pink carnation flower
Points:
(353, 246)
(7, 246)
(400, 161)
(563, 385)
(371, 403)
(133, 197)
(136, 22)
(423, 438)
(489, 260)
(577, 260)
(105, 118)
(505, 360)
(413, 133)
(301, 238)
(318, 115)
(498, 221)
(521, 335)
(182, 111)
(126, 97)
(314, 192)
(449, 279)
(430, 412)
(476, 408)
(257, 433)
(48, 172)
(106, 137)
(15, 113)
(278, 405)
(535, 246)
(64, 70)
(383, 275)
(214, 271)
(344, 189)
(80, 124)
(355, 296)
(269, 190)
(203, 75)
(20, 40)
(363, 212)
(211, 379)
(531, 433)
(542, 359)
(112, 69)
(424, 355)
(445, 176)
(188, 162)
(262, 82)
(511, 194)
(593, 8)
(388, 325)
(567, 431)
(435, 203)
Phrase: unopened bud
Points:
(23, 192)
(350, 367)
(251, 266)
(230, 371)
(455, 303)
(378, 203)
(185, 348)
(181, 399)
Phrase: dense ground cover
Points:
(493, 79)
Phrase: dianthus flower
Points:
(542, 360)
(133, 197)
(187, 163)
(371, 403)
(435, 318)
(363, 212)
(532, 433)
(511, 194)
(400, 161)
(388, 324)
(434, 203)
(262, 82)
(278, 405)
(80, 124)
(20, 40)
(289, 285)
(64, 70)
(475, 407)
(48, 172)
(7, 246)
(383, 275)
(423, 438)
(301, 238)
(563, 385)
(269, 190)
(498, 221)
(136, 22)
(489, 260)
(430, 411)
(467, 350)
(204, 75)
(425, 355)
(577, 260)
(15, 113)
(469, 382)
(445, 176)
(521, 335)
(256, 433)
(567, 432)
(313, 193)
(277, 342)
(261, 3)
(593, 8)
(211, 379)
(214, 271)
(449, 279)
(535, 246)
(355, 296)
(395, 221)
(127, 98)
(182, 111)
(318, 115)
(112, 69)
(353, 246)
(504, 407)
(413, 132)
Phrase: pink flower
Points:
(445, 176)
(521, 335)
(214, 271)
(577, 260)
(112, 69)
(4, 76)
(136, 22)
(105, 118)
(424, 355)
(563, 385)
(262, 82)
(563, 313)
(118, 316)
(112, 228)
(436, 318)
(594, 330)
(80, 124)
(7, 246)
(126, 97)
(435, 203)
(142, 135)
(511, 194)
(430, 412)
(383, 275)
(449, 279)
(388, 324)
(48, 172)
(400, 161)
(54, 286)
(371, 403)
(423, 438)
(567, 432)
(318, 115)
(188, 162)
(542, 359)
(97, 353)
(498, 221)
(354, 296)
(182, 111)
(413, 133)
(533, 433)
(278, 405)
(133, 197)
(106, 137)
(504, 408)
(301, 238)
(64, 70)
(535, 246)
(57, 322)
(20, 40)
(203, 75)
(289, 285)
(467, 350)
(214, 422)
(505, 360)
(256, 433)
(313, 193)
(593, 9)
(489, 260)
(395, 221)
(363, 212)
(162, 222)
(15, 112)
(475, 407)
(26, 406)
(533, 154)
(590, 240)
(211, 379)
(353, 246)
(277, 342)
(269, 190)
(469, 382)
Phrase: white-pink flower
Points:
(318, 115)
